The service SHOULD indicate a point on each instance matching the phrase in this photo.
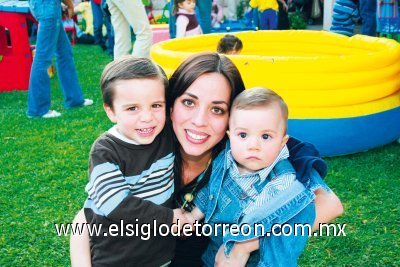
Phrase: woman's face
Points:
(200, 116)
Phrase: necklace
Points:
(188, 197)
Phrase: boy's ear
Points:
(228, 133)
(285, 139)
(110, 113)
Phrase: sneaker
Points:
(87, 102)
(51, 114)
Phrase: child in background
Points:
(268, 13)
(254, 182)
(230, 45)
(186, 21)
(130, 165)
(345, 15)
(217, 14)
(85, 9)
(82, 37)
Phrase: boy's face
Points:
(257, 136)
(138, 109)
(188, 5)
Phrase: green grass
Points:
(43, 172)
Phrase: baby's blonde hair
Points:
(260, 97)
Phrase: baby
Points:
(254, 182)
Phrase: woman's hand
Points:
(327, 207)
(79, 244)
(239, 255)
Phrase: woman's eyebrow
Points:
(214, 102)
(191, 95)
(220, 102)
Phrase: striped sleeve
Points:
(107, 186)
(109, 191)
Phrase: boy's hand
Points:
(179, 214)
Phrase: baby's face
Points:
(257, 136)
(188, 5)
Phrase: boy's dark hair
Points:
(260, 97)
(229, 43)
(175, 8)
(127, 68)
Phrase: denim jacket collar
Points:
(231, 165)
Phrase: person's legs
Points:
(122, 31)
(135, 14)
(263, 20)
(67, 75)
(172, 21)
(368, 15)
(272, 17)
(39, 83)
(98, 24)
(204, 9)
(110, 34)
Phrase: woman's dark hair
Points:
(228, 44)
(188, 72)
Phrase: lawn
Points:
(43, 172)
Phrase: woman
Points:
(201, 92)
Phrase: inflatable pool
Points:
(343, 92)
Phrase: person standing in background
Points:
(100, 18)
(124, 15)
(368, 17)
(52, 39)
(268, 12)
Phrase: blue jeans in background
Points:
(51, 40)
(268, 19)
(368, 16)
(100, 18)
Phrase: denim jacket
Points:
(290, 206)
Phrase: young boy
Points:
(130, 166)
(254, 182)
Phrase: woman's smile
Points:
(196, 137)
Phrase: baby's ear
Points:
(285, 139)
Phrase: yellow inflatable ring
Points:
(324, 77)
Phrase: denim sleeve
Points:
(260, 227)
(315, 182)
